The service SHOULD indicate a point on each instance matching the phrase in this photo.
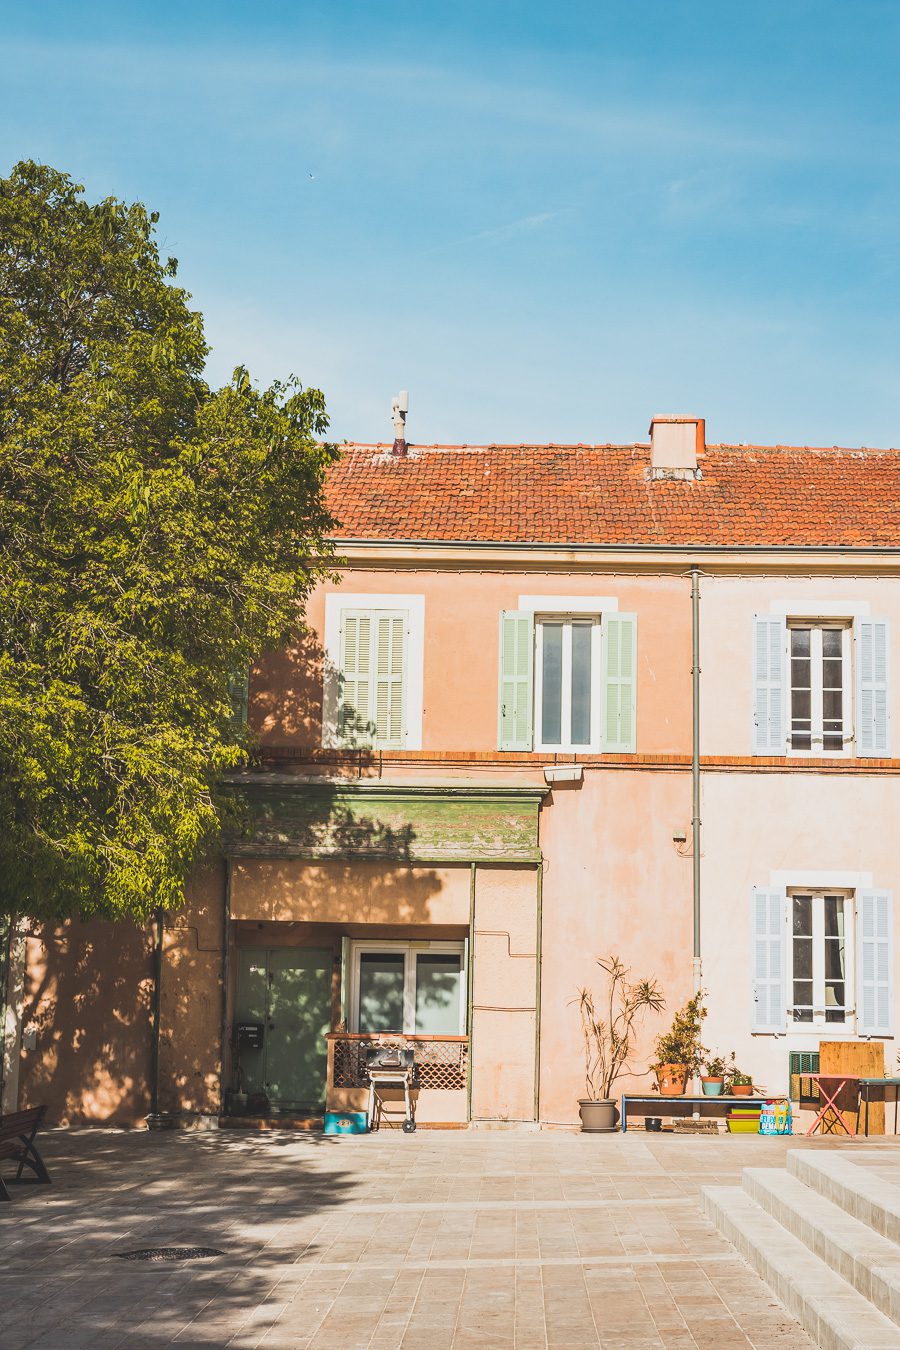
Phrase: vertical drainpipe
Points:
(695, 766)
(157, 1004)
(537, 992)
(470, 1021)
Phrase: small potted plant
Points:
(713, 1081)
(609, 1038)
(737, 1083)
(679, 1052)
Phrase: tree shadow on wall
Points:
(87, 1004)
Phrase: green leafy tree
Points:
(155, 537)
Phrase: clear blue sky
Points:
(547, 221)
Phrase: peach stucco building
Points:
(492, 758)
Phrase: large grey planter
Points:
(598, 1117)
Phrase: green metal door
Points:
(288, 990)
(299, 1018)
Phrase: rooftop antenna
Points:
(399, 409)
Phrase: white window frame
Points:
(818, 1023)
(336, 602)
(567, 619)
(816, 626)
(410, 949)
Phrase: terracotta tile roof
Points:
(603, 494)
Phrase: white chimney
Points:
(674, 445)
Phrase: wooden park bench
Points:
(17, 1131)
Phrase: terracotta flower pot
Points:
(671, 1079)
(742, 1089)
(713, 1087)
(598, 1117)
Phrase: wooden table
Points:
(865, 1086)
(843, 1080)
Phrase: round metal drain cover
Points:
(169, 1254)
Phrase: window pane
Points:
(801, 684)
(581, 683)
(551, 686)
(834, 917)
(802, 910)
(381, 976)
(803, 1001)
(437, 995)
(801, 704)
(835, 959)
(803, 962)
(832, 642)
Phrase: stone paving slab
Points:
(456, 1240)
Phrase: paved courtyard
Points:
(434, 1240)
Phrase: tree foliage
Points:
(155, 537)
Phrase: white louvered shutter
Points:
(874, 942)
(619, 639)
(354, 715)
(769, 993)
(516, 691)
(770, 696)
(872, 707)
(390, 667)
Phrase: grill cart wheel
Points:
(409, 1127)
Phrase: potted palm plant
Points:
(679, 1052)
(609, 1035)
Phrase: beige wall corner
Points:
(503, 999)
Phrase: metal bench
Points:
(17, 1132)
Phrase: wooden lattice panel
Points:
(438, 1064)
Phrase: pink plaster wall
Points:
(292, 889)
(613, 883)
(814, 826)
(190, 1037)
(461, 655)
(504, 993)
(727, 607)
(88, 990)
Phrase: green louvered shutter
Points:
(239, 693)
(619, 682)
(390, 645)
(354, 717)
(516, 697)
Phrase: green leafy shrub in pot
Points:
(679, 1051)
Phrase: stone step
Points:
(825, 1305)
(857, 1190)
(862, 1257)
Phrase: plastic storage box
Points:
(345, 1122)
(744, 1120)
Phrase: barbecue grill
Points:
(390, 1066)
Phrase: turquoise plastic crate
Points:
(345, 1122)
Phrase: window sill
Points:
(834, 1033)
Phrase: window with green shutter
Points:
(567, 681)
(620, 682)
(371, 707)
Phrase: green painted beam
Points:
(430, 823)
